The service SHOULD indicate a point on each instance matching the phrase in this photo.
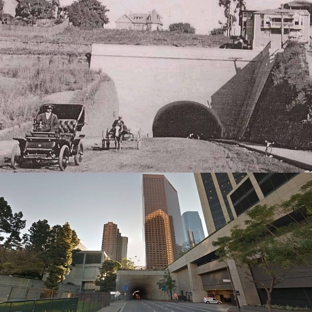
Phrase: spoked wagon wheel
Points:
(16, 157)
(78, 156)
(63, 157)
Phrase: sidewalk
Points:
(258, 309)
(301, 159)
(298, 158)
(114, 306)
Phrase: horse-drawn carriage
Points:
(117, 136)
(54, 146)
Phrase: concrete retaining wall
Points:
(23, 288)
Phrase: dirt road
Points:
(166, 155)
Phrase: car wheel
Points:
(16, 157)
(78, 156)
(63, 158)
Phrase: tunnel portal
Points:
(185, 118)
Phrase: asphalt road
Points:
(170, 306)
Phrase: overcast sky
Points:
(89, 200)
(201, 14)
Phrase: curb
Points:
(293, 162)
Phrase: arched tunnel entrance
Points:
(137, 284)
(183, 118)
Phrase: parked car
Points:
(237, 42)
(211, 300)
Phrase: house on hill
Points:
(277, 26)
(140, 21)
(299, 5)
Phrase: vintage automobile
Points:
(54, 147)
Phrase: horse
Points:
(117, 134)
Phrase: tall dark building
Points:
(162, 220)
(114, 245)
(193, 228)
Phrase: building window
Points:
(239, 176)
(213, 200)
(226, 188)
(269, 182)
(93, 258)
(78, 258)
(244, 197)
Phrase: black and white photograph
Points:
(155, 155)
(155, 87)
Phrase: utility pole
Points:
(282, 30)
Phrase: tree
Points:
(229, 13)
(10, 226)
(31, 10)
(274, 249)
(1, 6)
(182, 28)
(107, 277)
(37, 242)
(21, 262)
(127, 264)
(167, 283)
(87, 13)
(61, 241)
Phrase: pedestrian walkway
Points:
(298, 158)
(114, 306)
(301, 159)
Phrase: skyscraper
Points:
(162, 220)
(193, 228)
(113, 243)
(243, 189)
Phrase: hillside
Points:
(72, 40)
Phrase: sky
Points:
(201, 14)
(89, 200)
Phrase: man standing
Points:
(48, 121)
(118, 122)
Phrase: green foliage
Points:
(167, 282)
(127, 264)
(276, 250)
(21, 262)
(62, 240)
(31, 10)
(182, 28)
(10, 226)
(88, 14)
(107, 277)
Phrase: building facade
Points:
(199, 271)
(140, 21)
(213, 189)
(162, 221)
(275, 26)
(193, 228)
(113, 243)
(85, 270)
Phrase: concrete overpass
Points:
(147, 78)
